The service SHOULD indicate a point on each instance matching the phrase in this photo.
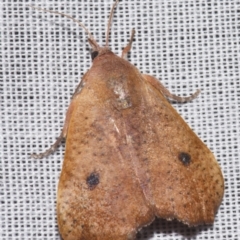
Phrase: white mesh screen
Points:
(188, 44)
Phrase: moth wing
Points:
(184, 179)
(98, 194)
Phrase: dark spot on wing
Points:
(92, 180)
(94, 54)
(185, 158)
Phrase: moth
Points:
(129, 156)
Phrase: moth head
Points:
(96, 49)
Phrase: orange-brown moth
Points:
(129, 156)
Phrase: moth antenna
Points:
(92, 41)
(110, 22)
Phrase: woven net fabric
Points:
(189, 45)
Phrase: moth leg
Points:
(128, 47)
(78, 89)
(62, 136)
(155, 83)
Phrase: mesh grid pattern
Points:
(188, 44)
